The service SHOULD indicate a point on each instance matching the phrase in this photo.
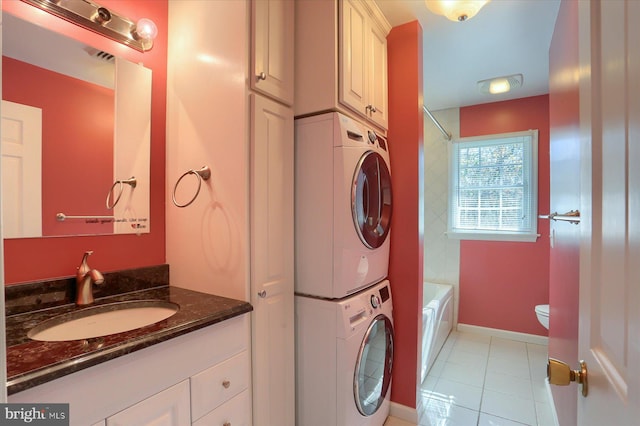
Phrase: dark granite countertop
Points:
(31, 363)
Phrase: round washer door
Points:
(374, 364)
(371, 199)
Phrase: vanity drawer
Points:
(218, 384)
(236, 412)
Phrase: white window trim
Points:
(491, 235)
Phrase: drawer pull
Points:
(226, 384)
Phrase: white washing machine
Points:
(343, 206)
(344, 359)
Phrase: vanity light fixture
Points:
(456, 10)
(101, 20)
(497, 85)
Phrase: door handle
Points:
(572, 216)
(559, 373)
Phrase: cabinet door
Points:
(170, 407)
(272, 48)
(217, 384)
(272, 263)
(353, 67)
(235, 412)
(377, 77)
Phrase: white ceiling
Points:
(506, 37)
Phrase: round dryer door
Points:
(373, 367)
(371, 199)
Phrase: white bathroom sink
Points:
(103, 320)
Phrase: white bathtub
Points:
(437, 321)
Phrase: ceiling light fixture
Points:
(456, 10)
(494, 86)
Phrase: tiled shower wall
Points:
(441, 254)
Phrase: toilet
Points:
(542, 312)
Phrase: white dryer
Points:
(344, 359)
(343, 206)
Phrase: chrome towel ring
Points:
(203, 173)
(131, 181)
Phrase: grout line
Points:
(484, 381)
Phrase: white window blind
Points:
(493, 193)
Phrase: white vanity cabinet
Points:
(167, 408)
(210, 397)
(272, 49)
(163, 383)
(215, 386)
(231, 413)
(346, 68)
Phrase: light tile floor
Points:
(479, 380)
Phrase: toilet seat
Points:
(543, 310)
(542, 313)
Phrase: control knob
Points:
(372, 137)
(375, 301)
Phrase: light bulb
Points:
(146, 29)
(499, 85)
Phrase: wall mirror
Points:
(75, 137)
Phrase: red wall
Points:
(77, 159)
(404, 45)
(30, 259)
(501, 282)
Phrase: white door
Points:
(564, 259)
(21, 168)
(609, 337)
(272, 263)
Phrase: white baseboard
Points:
(504, 334)
(403, 412)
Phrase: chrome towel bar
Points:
(61, 217)
(572, 216)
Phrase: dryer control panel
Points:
(357, 310)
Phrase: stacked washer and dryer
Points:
(344, 325)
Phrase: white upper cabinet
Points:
(363, 67)
(272, 49)
(341, 59)
(377, 76)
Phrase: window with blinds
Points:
(493, 189)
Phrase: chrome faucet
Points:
(85, 278)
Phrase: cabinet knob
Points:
(262, 76)
(226, 424)
(371, 108)
(262, 294)
(226, 384)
